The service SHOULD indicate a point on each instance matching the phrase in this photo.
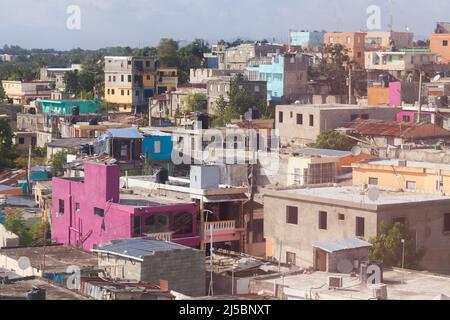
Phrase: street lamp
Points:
(403, 253)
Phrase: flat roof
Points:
(139, 248)
(341, 245)
(401, 285)
(57, 258)
(338, 106)
(143, 201)
(354, 195)
(410, 164)
(321, 152)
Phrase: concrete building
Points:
(388, 40)
(311, 170)
(155, 261)
(167, 80)
(399, 62)
(22, 92)
(306, 39)
(297, 219)
(302, 124)
(220, 86)
(238, 58)
(91, 212)
(130, 81)
(23, 140)
(201, 76)
(404, 175)
(439, 42)
(7, 58)
(355, 42)
(56, 75)
(69, 107)
(286, 76)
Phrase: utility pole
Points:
(419, 117)
(29, 170)
(350, 89)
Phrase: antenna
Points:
(391, 25)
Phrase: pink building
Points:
(91, 213)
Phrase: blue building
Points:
(306, 38)
(157, 146)
(286, 76)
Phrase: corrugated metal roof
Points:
(322, 152)
(124, 133)
(398, 129)
(340, 245)
(139, 248)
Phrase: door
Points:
(321, 260)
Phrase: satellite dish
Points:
(356, 151)
(345, 266)
(436, 78)
(374, 194)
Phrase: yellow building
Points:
(167, 79)
(23, 92)
(403, 175)
(311, 170)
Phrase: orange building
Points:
(353, 41)
(440, 45)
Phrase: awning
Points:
(225, 198)
(341, 245)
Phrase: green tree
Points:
(241, 100)
(333, 140)
(387, 247)
(196, 102)
(7, 149)
(167, 52)
(2, 93)
(15, 223)
(57, 162)
(72, 82)
(40, 233)
(224, 113)
(191, 57)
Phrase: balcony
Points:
(162, 236)
(222, 231)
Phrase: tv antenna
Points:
(391, 13)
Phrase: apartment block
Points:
(355, 42)
(238, 58)
(387, 40)
(22, 92)
(439, 42)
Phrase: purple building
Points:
(90, 213)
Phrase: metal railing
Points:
(220, 225)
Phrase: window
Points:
(341, 217)
(280, 117)
(360, 227)
(447, 222)
(77, 207)
(61, 207)
(311, 120)
(122, 92)
(258, 230)
(410, 185)
(129, 78)
(401, 220)
(406, 119)
(99, 212)
(137, 226)
(182, 223)
(365, 116)
(299, 118)
(359, 54)
(297, 175)
(122, 78)
(445, 43)
(323, 223)
(21, 140)
(157, 146)
(113, 91)
(257, 89)
(148, 77)
(109, 91)
(291, 215)
(373, 181)
(156, 224)
(114, 78)
(137, 93)
(291, 258)
(291, 114)
(109, 78)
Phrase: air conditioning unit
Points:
(335, 282)
(380, 291)
(407, 147)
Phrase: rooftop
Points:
(397, 129)
(342, 245)
(409, 164)
(143, 201)
(336, 106)
(354, 195)
(139, 248)
(401, 285)
(57, 258)
(70, 143)
(321, 152)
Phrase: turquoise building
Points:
(65, 107)
(274, 75)
(306, 38)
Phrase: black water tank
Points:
(36, 294)
(93, 122)
(75, 110)
(74, 120)
(162, 176)
(32, 111)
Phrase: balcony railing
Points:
(220, 225)
(163, 236)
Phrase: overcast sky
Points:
(136, 23)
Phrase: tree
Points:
(241, 100)
(2, 93)
(15, 223)
(7, 149)
(387, 247)
(332, 140)
(72, 82)
(196, 102)
(167, 52)
(57, 162)
(191, 57)
(40, 233)
(224, 113)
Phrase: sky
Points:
(139, 23)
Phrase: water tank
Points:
(32, 111)
(93, 122)
(162, 176)
(36, 294)
(204, 119)
(75, 110)
(74, 120)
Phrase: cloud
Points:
(42, 23)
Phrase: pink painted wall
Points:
(395, 94)
(412, 116)
(100, 189)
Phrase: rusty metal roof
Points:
(397, 129)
